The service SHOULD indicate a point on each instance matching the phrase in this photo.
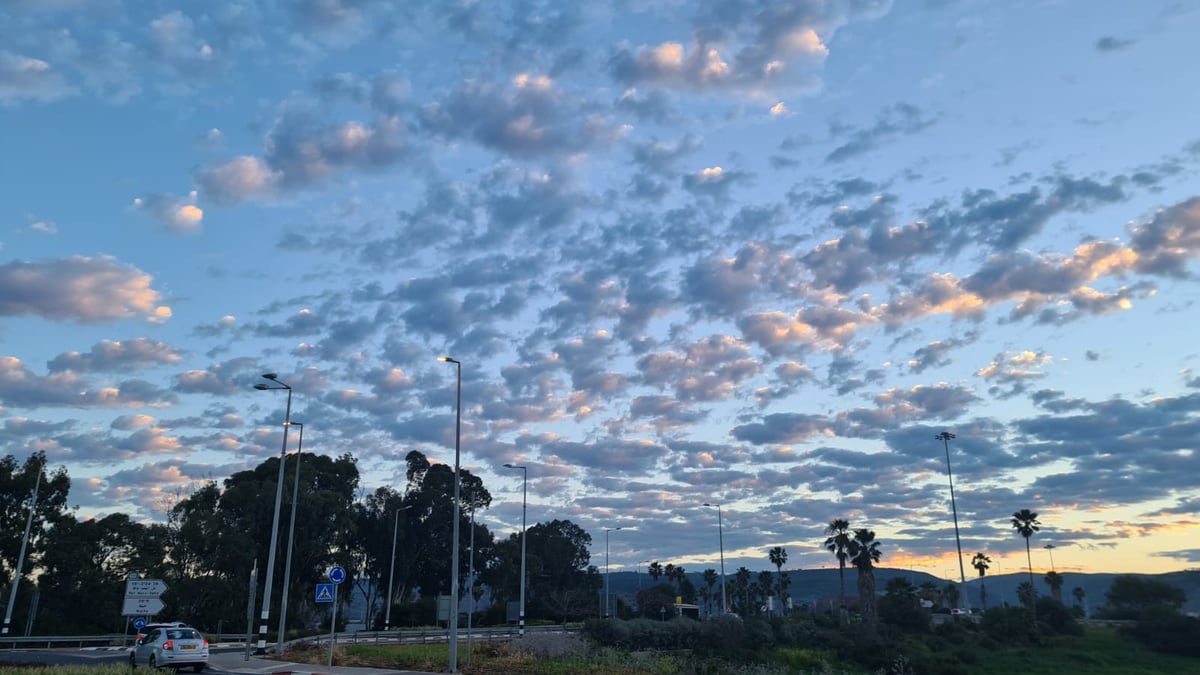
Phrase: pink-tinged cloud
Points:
(80, 289)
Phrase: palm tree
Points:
(864, 553)
(1025, 522)
(981, 562)
(838, 543)
(1055, 581)
(1079, 595)
(655, 571)
(778, 556)
(951, 594)
(742, 579)
(669, 573)
(678, 575)
(763, 586)
(710, 580)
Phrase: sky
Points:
(747, 252)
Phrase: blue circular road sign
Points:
(139, 623)
(337, 574)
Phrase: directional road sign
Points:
(324, 592)
(144, 588)
(337, 574)
(141, 606)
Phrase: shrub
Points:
(1010, 625)
(1167, 631)
(1057, 617)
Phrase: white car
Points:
(170, 647)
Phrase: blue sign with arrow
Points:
(324, 592)
(337, 574)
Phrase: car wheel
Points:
(132, 660)
(153, 661)
(198, 668)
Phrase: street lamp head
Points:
(716, 505)
(945, 436)
(261, 387)
(447, 359)
(271, 376)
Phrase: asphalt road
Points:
(87, 657)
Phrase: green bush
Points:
(1010, 626)
(1168, 631)
(1057, 617)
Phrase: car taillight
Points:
(169, 645)
(206, 644)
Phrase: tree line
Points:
(209, 540)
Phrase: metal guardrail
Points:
(422, 636)
(51, 641)
(411, 636)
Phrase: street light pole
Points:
(287, 566)
(471, 583)
(265, 616)
(945, 437)
(524, 501)
(387, 620)
(453, 622)
(607, 604)
(721, 541)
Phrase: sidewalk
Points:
(235, 661)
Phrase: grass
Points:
(1100, 651)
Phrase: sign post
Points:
(336, 574)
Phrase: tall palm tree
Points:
(1025, 522)
(778, 556)
(864, 553)
(710, 580)
(763, 586)
(677, 575)
(838, 543)
(655, 571)
(981, 562)
(1055, 581)
(742, 579)
(1079, 595)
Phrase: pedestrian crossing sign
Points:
(324, 592)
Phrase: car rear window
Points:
(183, 634)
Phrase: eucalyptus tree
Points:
(430, 495)
(17, 482)
(838, 543)
(864, 553)
(32, 496)
(82, 575)
(561, 584)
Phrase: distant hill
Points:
(807, 586)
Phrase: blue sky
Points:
(752, 253)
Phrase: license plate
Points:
(187, 647)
